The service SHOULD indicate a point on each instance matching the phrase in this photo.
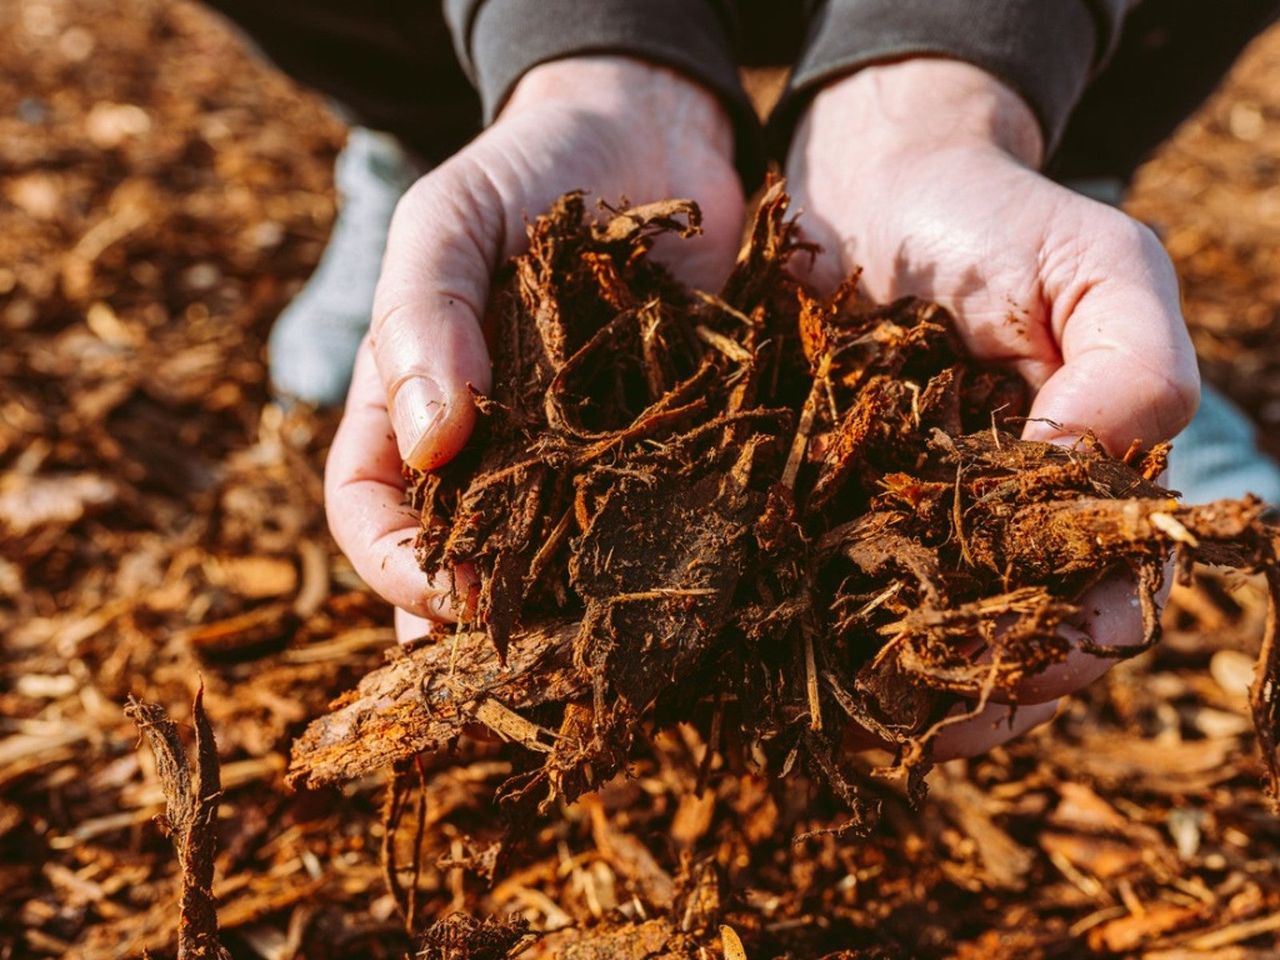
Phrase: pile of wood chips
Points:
(161, 525)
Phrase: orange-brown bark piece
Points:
(190, 820)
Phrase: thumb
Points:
(1128, 367)
(427, 338)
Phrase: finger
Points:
(995, 725)
(1111, 616)
(1079, 668)
(1128, 367)
(364, 499)
(426, 336)
(410, 628)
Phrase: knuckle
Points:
(420, 194)
(333, 508)
(1174, 390)
(1166, 398)
(1132, 243)
(1184, 401)
(1125, 236)
(386, 314)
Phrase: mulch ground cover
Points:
(167, 584)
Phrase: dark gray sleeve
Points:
(1045, 49)
(498, 41)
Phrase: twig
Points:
(191, 810)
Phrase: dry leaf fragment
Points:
(732, 944)
(29, 503)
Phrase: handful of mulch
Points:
(795, 522)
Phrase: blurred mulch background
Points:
(162, 196)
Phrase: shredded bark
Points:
(458, 936)
(191, 810)
(816, 512)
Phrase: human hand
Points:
(615, 126)
(923, 173)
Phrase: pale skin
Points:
(923, 172)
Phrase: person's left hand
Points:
(923, 173)
(616, 126)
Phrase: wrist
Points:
(896, 110)
(648, 96)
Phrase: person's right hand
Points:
(611, 125)
(923, 172)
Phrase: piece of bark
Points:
(191, 810)
(1264, 693)
(424, 698)
(459, 936)
(1006, 861)
(1065, 537)
(1130, 932)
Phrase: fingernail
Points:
(416, 409)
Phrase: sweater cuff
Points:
(498, 41)
(1046, 50)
